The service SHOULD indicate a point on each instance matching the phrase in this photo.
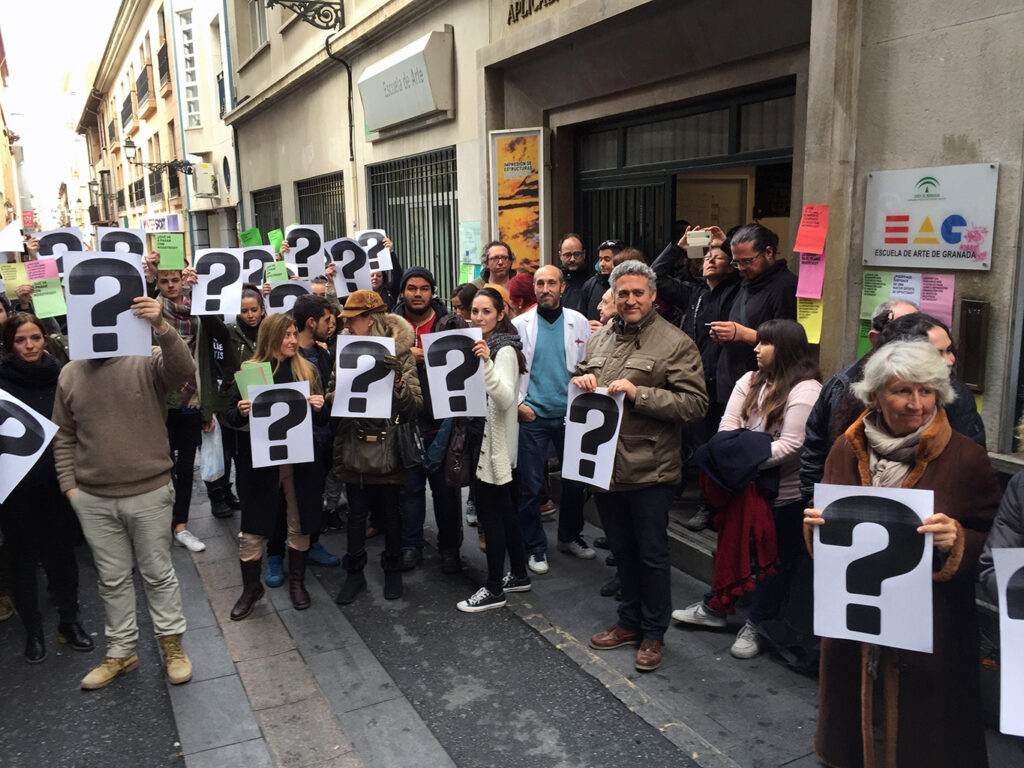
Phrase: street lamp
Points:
(130, 151)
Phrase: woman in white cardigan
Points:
(492, 488)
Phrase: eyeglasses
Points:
(498, 258)
(611, 245)
(572, 254)
(746, 262)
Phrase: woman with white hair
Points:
(929, 704)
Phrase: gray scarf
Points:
(890, 459)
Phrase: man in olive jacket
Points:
(658, 368)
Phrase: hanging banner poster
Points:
(280, 424)
(518, 191)
(24, 435)
(592, 422)
(364, 384)
(811, 277)
(1010, 585)
(872, 569)
(458, 379)
(810, 236)
(939, 217)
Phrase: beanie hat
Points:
(423, 272)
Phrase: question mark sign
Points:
(349, 358)
(258, 257)
(279, 294)
(311, 247)
(457, 376)
(111, 240)
(865, 575)
(592, 439)
(230, 270)
(28, 443)
(1015, 595)
(57, 244)
(82, 282)
(372, 244)
(350, 257)
(297, 410)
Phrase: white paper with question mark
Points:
(872, 569)
(280, 424)
(100, 290)
(24, 435)
(123, 240)
(456, 381)
(219, 288)
(283, 295)
(352, 269)
(377, 256)
(364, 386)
(306, 250)
(254, 260)
(56, 242)
(1009, 565)
(592, 421)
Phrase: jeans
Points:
(447, 507)
(363, 500)
(185, 434)
(534, 438)
(116, 528)
(497, 516)
(636, 525)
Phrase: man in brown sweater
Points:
(113, 463)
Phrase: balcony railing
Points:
(126, 113)
(139, 192)
(142, 88)
(112, 132)
(163, 65)
(156, 186)
(120, 200)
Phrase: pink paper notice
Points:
(937, 296)
(811, 276)
(41, 269)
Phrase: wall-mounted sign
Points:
(517, 193)
(939, 218)
(165, 222)
(414, 83)
(521, 9)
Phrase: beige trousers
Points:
(115, 527)
(250, 545)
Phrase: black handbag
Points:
(463, 451)
(410, 443)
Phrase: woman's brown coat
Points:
(931, 702)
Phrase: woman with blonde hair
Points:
(267, 490)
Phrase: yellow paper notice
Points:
(808, 314)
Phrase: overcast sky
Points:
(46, 41)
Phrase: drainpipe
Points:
(181, 123)
(354, 179)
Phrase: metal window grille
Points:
(156, 186)
(163, 65)
(220, 92)
(139, 192)
(173, 184)
(120, 200)
(201, 229)
(414, 200)
(142, 87)
(266, 207)
(322, 201)
(112, 131)
(126, 112)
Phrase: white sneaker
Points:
(577, 548)
(187, 540)
(747, 644)
(538, 563)
(699, 614)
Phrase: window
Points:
(257, 23)
(322, 201)
(190, 69)
(201, 229)
(414, 200)
(266, 207)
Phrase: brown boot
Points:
(648, 657)
(252, 589)
(176, 663)
(297, 579)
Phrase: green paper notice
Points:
(253, 375)
(863, 340)
(468, 273)
(48, 298)
(275, 273)
(171, 246)
(877, 287)
(275, 237)
(250, 237)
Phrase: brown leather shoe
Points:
(614, 637)
(649, 656)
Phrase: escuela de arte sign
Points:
(522, 9)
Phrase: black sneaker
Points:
(481, 600)
(515, 584)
